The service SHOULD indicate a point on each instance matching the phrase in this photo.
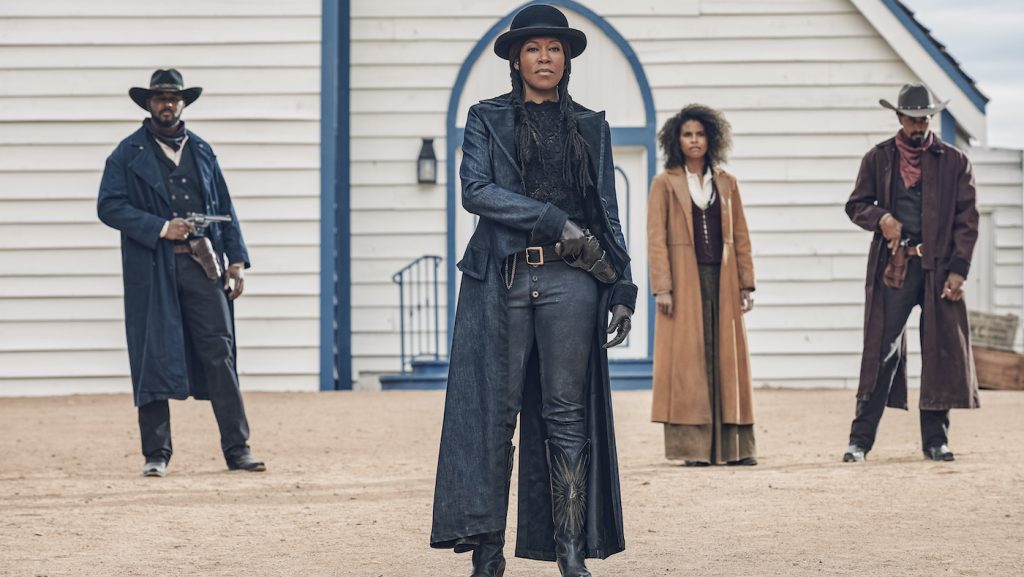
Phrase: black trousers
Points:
(552, 309)
(205, 315)
(898, 305)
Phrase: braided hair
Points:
(575, 154)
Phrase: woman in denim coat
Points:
(543, 270)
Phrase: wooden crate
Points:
(993, 331)
(1003, 370)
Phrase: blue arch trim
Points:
(640, 136)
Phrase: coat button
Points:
(534, 278)
(536, 294)
(183, 181)
(173, 197)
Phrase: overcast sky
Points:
(987, 38)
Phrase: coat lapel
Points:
(931, 193)
(891, 165)
(501, 121)
(204, 164)
(144, 165)
(725, 202)
(589, 124)
(682, 192)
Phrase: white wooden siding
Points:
(65, 70)
(799, 80)
(1000, 182)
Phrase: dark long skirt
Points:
(717, 442)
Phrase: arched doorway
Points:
(607, 77)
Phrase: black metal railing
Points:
(419, 310)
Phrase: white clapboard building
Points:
(318, 111)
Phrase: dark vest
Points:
(707, 230)
(182, 182)
(906, 205)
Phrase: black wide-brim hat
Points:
(164, 81)
(914, 101)
(536, 21)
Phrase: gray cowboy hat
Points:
(540, 20)
(164, 81)
(914, 101)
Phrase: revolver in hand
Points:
(202, 248)
(203, 221)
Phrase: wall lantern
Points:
(426, 166)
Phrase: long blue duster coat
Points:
(469, 496)
(134, 200)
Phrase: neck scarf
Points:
(702, 188)
(910, 158)
(174, 140)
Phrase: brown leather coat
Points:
(949, 229)
(680, 378)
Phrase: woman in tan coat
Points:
(702, 276)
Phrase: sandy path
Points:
(351, 477)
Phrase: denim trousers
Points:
(551, 314)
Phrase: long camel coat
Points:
(680, 372)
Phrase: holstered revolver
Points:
(202, 248)
(202, 253)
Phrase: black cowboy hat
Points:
(914, 101)
(540, 20)
(164, 81)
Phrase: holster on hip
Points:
(593, 259)
(202, 253)
(896, 269)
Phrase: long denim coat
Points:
(134, 200)
(949, 229)
(469, 496)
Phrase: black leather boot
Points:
(569, 475)
(489, 555)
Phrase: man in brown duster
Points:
(916, 193)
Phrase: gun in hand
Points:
(203, 221)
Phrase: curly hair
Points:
(716, 127)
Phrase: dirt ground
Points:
(350, 479)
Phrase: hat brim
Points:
(915, 112)
(577, 39)
(141, 96)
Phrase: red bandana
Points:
(910, 158)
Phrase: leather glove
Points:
(620, 324)
(573, 240)
(592, 259)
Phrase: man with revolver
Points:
(916, 193)
(157, 184)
